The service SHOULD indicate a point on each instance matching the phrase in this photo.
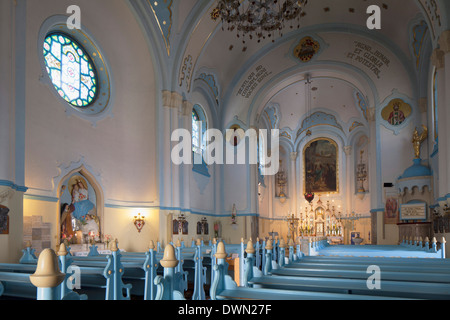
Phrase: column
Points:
(348, 184)
(293, 185)
(375, 174)
(170, 193)
(185, 196)
(444, 42)
(437, 59)
(6, 90)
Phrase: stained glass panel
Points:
(195, 132)
(70, 69)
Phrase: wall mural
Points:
(306, 49)
(396, 112)
(321, 166)
(78, 212)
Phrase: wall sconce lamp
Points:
(139, 222)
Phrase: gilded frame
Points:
(321, 191)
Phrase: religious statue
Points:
(418, 140)
(80, 214)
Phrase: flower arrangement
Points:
(93, 237)
(107, 239)
(67, 239)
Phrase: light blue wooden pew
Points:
(398, 289)
(16, 278)
(28, 254)
(44, 284)
(100, 280)
(407, 249)
(200, 275)
(140, 270)
(166, 284)
(224, 288)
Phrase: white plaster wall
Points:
(122, 147)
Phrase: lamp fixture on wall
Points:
(139, 222)
(258, 19)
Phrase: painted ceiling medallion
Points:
(306, 49)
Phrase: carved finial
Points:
(282, 243)
(443, 241)
(169, 260)
(250, 248)
(434, 240)
(198, 242)
(269, 245)
(62, 250)
(28, 244)
(47, 273)
(178, 244)
(427, 239)
(214, 241)
(291, 242)
(151, 246)
(221, 253)
(114, 247)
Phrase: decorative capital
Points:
(186, 108)
(423, 105)
(444, 41)
(437, 58)
(348, 150)
(371, 114)
(294, 156)
(172, 99)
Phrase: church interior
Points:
(123, 124)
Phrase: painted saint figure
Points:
(82, 206)
(397, 117)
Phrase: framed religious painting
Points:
(321, 174)
(391, 212)
(4, 220)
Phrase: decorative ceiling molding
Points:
(162, 9)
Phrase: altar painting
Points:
(321, 166)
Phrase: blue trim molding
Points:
(12, 185)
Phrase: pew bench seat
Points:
(363, 267)
(400, 289)
(355, 274)
(242, 293)
(16, 285)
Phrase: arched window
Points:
(70, 69)
(199, 126)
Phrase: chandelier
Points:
(258, 18)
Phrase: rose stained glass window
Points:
(70, 69)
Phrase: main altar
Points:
(318, 220)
